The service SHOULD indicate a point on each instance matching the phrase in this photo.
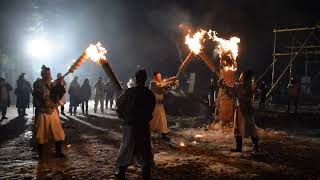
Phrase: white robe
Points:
(159, 120)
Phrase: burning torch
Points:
(96, 53)
(194, 44)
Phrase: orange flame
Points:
(225, 47)
(96, 52)
(194, 42)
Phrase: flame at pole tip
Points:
(194, 41)
(96, 52)
(225, 45)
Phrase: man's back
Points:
(136, 105)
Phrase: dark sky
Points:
(145, 32)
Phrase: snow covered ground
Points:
(290, 149)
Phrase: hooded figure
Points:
(135, 107)
(47, 98)
(74, 93)
(23, 92)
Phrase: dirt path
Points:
(288, 152)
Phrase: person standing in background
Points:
(109, 94)
(85, 95)
(23, 91)
(74, 92)
(5, 89)
(99, 95)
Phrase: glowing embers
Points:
(182, 144)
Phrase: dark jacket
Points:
(136, 105)
(23, 92)
(85, 92)
(74, 92)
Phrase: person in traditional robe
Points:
(74, 93)
(23, 92)
(244, 123)
(99, 96)
(5, 89)
(135, 107)
(159, 122)
(63, 100)
(48, 95)
(85, 95)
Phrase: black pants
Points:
(262, 103)
(62, 108)
(84, 106)
(4, 110)
(73, 109)
(294, 101)
(109, 98)
(21, 111)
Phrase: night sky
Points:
(146, 33)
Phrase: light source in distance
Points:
(39, 48)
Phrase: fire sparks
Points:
(96, 52)
(182, 144)
(194, 42)
(198, 136)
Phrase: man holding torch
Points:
(244, 125)
(47, 98)
(158, 86)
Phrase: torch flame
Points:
(96, 52)
(224, 45)
(227, 47)
(194, 42)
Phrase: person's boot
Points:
(59, 153)
(121, 173)
(40, 151)
(165, 137)
(3, 117)
(87, 112)
(255, 142)
(146, 173)
(238, 145)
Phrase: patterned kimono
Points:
(244, 124)
(47, 119)
(159, 121)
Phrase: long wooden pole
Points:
(185, 63)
